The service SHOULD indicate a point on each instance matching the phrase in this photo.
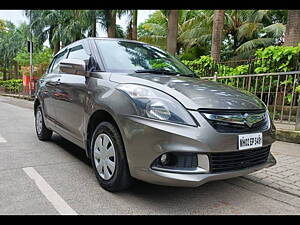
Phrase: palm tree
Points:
(12, 41)
(249, 30)
(62, 27)
(218, 25)
(111, 23)
(90, 21)
(172, 31)
(107, 20)
(2, 25)
(244, 31)
(292, 38)
(193, 29)
(292, 35)
(46, 24)
(134, 24)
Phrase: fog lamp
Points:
(164, 159)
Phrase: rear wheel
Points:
(43, 133)
(108, 158)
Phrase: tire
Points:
(43, 133)
(115, 178)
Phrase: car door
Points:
(71, 96)
(50, 81)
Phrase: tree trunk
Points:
(94, 24)
(216, 42)
(292, 33)
(129, 31)
(94, 28)
(11, 72)
(56, 47)
(297, 127)
(172, 31)
(292, 38)
(50, 38)
(134, 25)
(4, 72)
(111, 28)
(16, 70)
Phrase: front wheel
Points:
(108, 158)
(43, 133)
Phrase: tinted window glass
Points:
(123, 56)
(58, 58)
(78, 53)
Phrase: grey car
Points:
(139, 113)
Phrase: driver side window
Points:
(54, 65)
(78, 53)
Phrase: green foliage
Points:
(42, 57)
(192, 53)
(201, 65)
(297, 90)
(276, 59)
(205, 64)
(270, 59)
(160, 64)
(12, 85)
(244, 31)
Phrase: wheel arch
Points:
(36, 104)
(97, 117)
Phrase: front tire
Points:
(108, 158)
(43, 133)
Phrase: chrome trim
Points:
(203, 166)
(185, 171)
(248, 119)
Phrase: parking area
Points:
(55, 177)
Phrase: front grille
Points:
(229, 161)
(229, 127)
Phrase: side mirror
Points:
(73, 66)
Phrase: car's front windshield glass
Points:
(130, 57)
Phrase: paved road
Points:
(55, 177)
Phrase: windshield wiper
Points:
(166, 72)
(157, 71)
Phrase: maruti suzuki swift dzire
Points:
(139, 113)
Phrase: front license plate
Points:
(246, 141)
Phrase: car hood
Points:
(202, 93)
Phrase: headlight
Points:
(155, 104)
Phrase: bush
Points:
(11, 85)
(200, 66)
(277, 59)
(268, 60)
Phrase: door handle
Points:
(53, 83)
(57, 82)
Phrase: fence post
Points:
(215, 76)
(297, 126)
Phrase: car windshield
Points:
(133, 57)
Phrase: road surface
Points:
(55, 178)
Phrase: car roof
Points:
(113, 39)
(96, 38)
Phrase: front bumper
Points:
(195, 180)
(147, 139)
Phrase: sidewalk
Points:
(27, 97)
(287, 133)
(285, 175)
